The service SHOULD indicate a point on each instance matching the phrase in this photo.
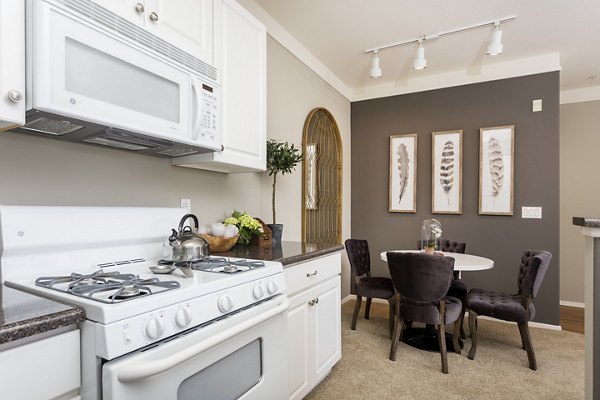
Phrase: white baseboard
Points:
(353, 297)
(572, 304)
(532, 324)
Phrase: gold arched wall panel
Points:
(321, 179)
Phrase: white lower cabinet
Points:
(48, 368)
(314, 322)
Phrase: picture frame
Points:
(403, 173)
(446, 172)
(496, 170)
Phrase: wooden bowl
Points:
(220, 244)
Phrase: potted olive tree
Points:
(281, 158)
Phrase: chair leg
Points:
(473, 332)
(463, 335)
(455, 334)
(356, 311)
(442, 341)
(524, 330)
(391, 318)
(368, 308)
(398, 329)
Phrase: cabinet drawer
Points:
(306, 274)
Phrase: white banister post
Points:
(590, 228)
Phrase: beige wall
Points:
(293, 91)
(39, 171)
(579, 189)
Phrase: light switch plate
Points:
(531, 212)
(536, 105)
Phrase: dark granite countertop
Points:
(287, 253)
(23, 314)
(587, 222)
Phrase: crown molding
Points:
(491, 72)
(285, 38)
(580, 95)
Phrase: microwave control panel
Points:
(208, 129)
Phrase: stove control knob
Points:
(183, 317)
(272, 287)
(258, 292)
(154, 328)
(225, 303)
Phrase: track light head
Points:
(495, 46)
(375, 71)
(420, 60)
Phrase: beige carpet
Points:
(499, 371)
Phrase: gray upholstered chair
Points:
(512, 307)
(421, 282)
(366, 285)
(457, 288)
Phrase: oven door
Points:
(243, 356)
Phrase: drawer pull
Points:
(313, 274)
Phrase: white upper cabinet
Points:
(186, 24)
(244, 84)
(12, 64)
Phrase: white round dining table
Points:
(462, 262)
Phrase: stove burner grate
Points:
(121, 287)
(225, 266)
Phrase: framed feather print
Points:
(446, 180)
(496, 170)
(403, 173)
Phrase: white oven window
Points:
(228, 378)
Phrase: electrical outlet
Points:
(536, 105)
(531, 212)
(187, 204)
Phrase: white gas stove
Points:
(100, 258)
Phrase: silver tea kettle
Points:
(185, 244)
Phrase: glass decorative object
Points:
(431, 232)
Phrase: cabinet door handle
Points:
(311, 302)
(317, 300)
(312, 274)
(139, 8)
(153, 16)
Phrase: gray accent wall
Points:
(469, 107)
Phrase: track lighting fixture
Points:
(375, 71)
(420, 62)
(495, 46)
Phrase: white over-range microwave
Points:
(96, 78)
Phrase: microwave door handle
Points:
(196, 109)
(145, 369)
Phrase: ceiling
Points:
(337, 33)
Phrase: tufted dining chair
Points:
(421, 282)
(518, 307)
(366, 285)
(457, 288)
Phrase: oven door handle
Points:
(146, 369)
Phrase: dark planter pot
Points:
(276, 232)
